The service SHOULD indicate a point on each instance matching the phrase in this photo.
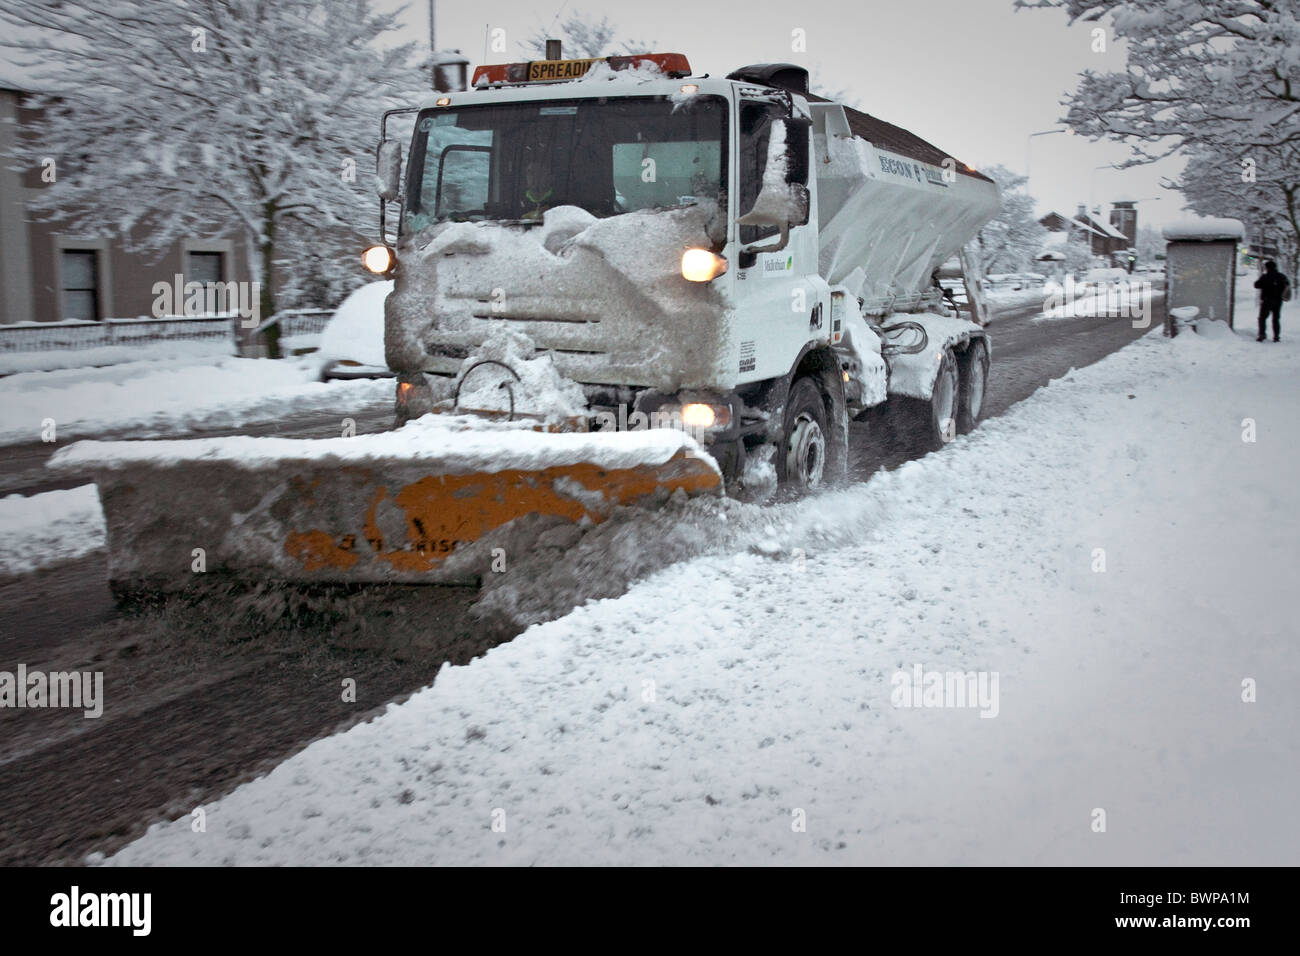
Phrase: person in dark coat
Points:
(1272, 287)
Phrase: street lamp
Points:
(1092, 183)
(1029, 141)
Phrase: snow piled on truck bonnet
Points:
(607, 295)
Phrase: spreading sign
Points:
(539, 71)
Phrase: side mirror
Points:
(780, 203)
(388, 169)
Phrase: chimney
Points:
(1082, 212)
(1123, 216)
(553, 50)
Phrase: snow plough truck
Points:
(613, 282)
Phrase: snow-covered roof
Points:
(1110, 230)
(1101, 227)
(1071, 224)
(1204, 227)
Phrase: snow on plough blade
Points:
(378, 508)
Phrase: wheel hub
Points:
(806, 455)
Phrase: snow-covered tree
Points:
(186, 119)
(1264, 193)
(1150, 243)
(1078, 253)
(1012, 241)
(582, 35)
(1211, 79)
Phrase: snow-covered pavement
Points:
(170, 398)
(44, 529)
(1118, 550)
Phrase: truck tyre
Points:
(974, 384)
(934, 422)
(801, 459)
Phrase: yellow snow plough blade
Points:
(173, 512)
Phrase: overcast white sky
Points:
(975, 77)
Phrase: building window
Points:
(204, 267)
(80, 275)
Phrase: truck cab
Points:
(719, 252)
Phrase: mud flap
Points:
(972, 269)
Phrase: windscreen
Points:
(513, 161)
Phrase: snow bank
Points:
(48, 528)
(143, 400)
(696, 718)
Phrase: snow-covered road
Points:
(167, 399)
(1117, 550)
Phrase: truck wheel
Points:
(938, 417)
(974, 383)
(801, 459)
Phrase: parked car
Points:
(352, 344)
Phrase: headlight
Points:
(379, 260)
(701, 265)
(700, 415)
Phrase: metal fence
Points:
(74, 335)
(303, 321)
(71, 335)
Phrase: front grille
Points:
(517, 317)
(450, 351)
